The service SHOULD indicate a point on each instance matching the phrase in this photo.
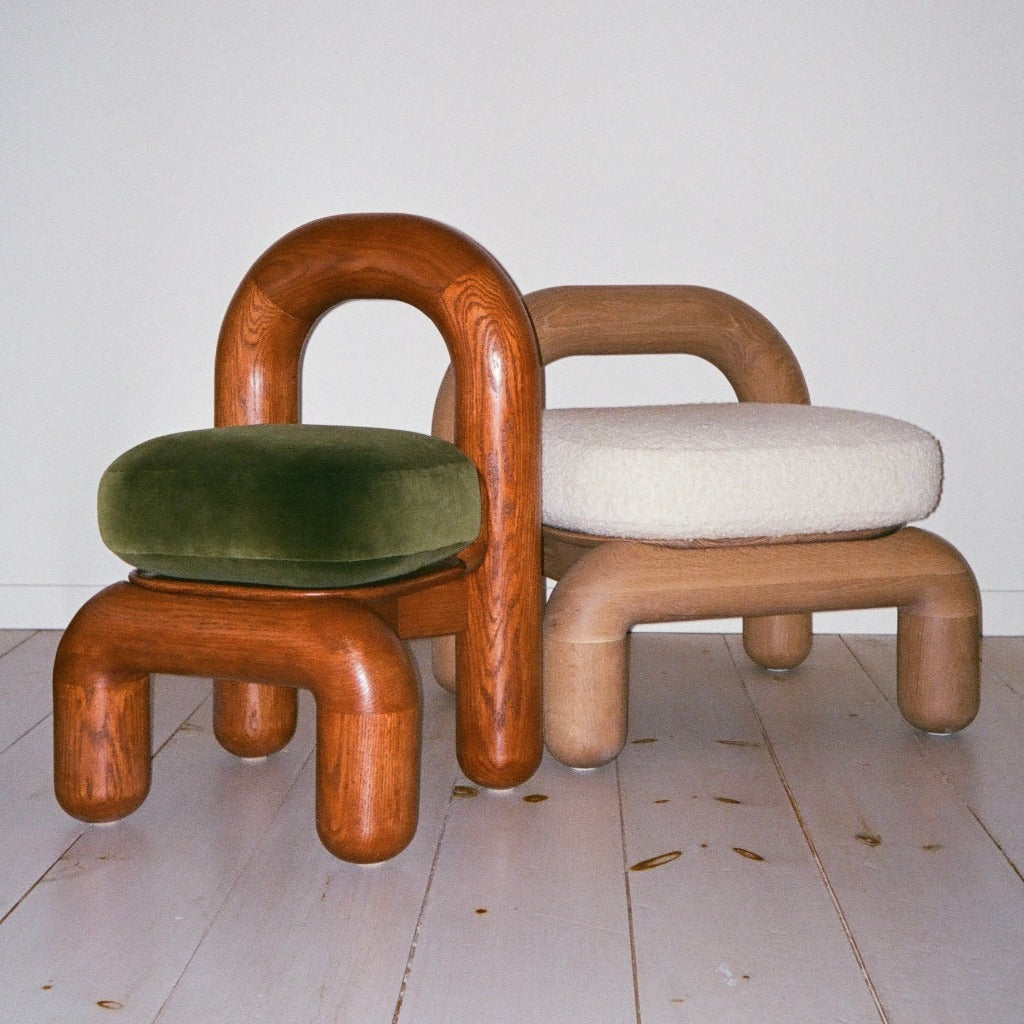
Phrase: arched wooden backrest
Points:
(498, 398)
(580, 320)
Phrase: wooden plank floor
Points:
(816, 861)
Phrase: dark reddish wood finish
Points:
(365, 685)
(346, 646)
(498, 399)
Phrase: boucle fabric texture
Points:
(734, 470)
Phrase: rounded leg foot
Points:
(251, 719)
(938, 670)
(101, 742)
(777, 642)
(367, 783)
(586, 700)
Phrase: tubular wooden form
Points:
(753, 356)
(620, 583)
(346, 646)
(607, 585)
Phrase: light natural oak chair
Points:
(275, 555)
(765, 511)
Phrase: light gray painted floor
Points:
(816, 860)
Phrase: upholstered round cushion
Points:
(720, 471)
(289, 505)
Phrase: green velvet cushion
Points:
(289, 505)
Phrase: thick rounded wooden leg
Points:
(253, 719)
(777, 641)
(367, 782)
(498, 710)
(101, 741)
(442, 657)
(937, 671)
(586, 700)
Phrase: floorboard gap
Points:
(629, 900)
(422, 911)
(829, 888)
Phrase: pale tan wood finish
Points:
(607, 585)
(346, 646)
(623, 583)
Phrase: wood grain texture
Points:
(365, 686)
(985, 765)
(38, 830)
(607, 585)
(305, 938)
(622, 583)
(498, 398)
(745, 346)
(22, 671)
(722, 937)
(934, 906)
(212, 902)
(577, 320)
(345, 646)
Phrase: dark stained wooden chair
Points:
(345, 644)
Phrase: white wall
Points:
(853, 170)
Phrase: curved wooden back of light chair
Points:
(579, 320)
(584, 320)
(497, 401)
(607, 585)
(590, 320)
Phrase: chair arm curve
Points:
(649, 319)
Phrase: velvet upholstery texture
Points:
(291, 505)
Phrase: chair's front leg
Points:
(368, 781)
(101, 727)
(586, 699)
(499, 737)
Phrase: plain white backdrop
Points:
(852, 170)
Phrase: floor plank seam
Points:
(22, 642)
(407, 973)
(42, 878)
(32, 728)
(629, 898)
(816, 856)
(174, 732)
(239, 876)
(923, 746)
(1013, 684)
(996, 844)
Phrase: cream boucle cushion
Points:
(718, 471)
